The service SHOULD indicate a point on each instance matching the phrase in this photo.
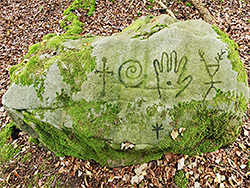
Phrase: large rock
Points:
(159, 86)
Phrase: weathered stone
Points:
(161, 85)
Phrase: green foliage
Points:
(233, 55)
(48, 36)
(7, 151)
(188, 4)
(149, 6)
(180, 179)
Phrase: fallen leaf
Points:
(136, 179)
(181, 163)
(174, 134)
(61, 170)
(181, 130)
(127, 145)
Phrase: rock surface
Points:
(161, 85)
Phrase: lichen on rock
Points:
(119, 100)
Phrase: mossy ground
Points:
(71, 23)
(180, 179)
(7, 151)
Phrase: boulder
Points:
(161, 85)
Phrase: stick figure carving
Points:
(212, 69)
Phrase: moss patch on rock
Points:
(233, 55)
(73, 64)
(78, 143)
(207, 127)
(156, 28)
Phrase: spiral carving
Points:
(130, 73)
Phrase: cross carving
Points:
(104, 72)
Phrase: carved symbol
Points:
(104, 71)
(172, 65)
(157, 129)
(211, 69)
(130, 73)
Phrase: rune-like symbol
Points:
(104, 72)
(157, 128)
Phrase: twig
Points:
(13, 171)
(241, 174)
(205, 14)
(165, 7)
(40, 9)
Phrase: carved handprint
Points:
(170, 73)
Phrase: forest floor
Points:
(23, 23)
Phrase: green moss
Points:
(54, 43)
(33, 49)
(6, 149)
(180, 179)
(75, 26)
(33, 140)
(75, 65)
(156, 28)
(48, 36)
(27, 157)
(79, 143)
(207, 128)
(93, 118)
(24, 77)
(233, 55)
